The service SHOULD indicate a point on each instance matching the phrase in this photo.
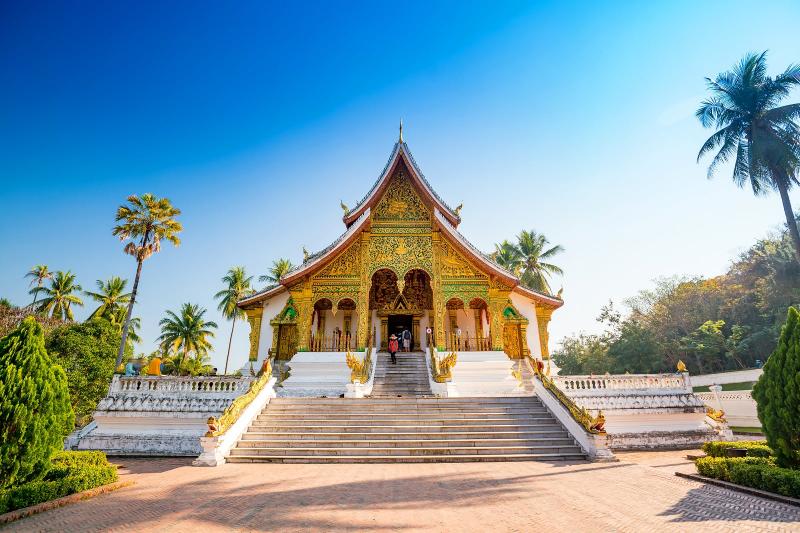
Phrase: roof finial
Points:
(401, 130)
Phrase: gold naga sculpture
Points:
(457, 210)
(681, 366)
(344, 208)
(359, 370)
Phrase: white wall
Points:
(272, 307)
(527, 308)
(721, 378)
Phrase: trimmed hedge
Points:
(767, 477)
(720, 448)
(719, 467)
(70, 472)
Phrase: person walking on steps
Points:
(393, 348)
(406, 340)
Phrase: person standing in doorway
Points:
(406, 340)
(393, 348)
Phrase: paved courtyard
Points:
(640, 493)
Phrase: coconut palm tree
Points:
(759, 136)
(187, 332)
(237, 286)
(38, 275)
(59, 296)
(111, 296)
(144, 222)
(280, 267)
(535, 254)
(507, 256)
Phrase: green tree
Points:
(533, 247)
(279, 268)
(86, 352)
(186, 333)
(777, 394)
(111, 297)
(35, 413)
(60, 296)
(507, 256)
(144, 222)
(583, 354)
(38, 274)
(761, 137)
(237, 286)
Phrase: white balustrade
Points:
(616, 384)
(200, 385)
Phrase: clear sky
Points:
(571, 118)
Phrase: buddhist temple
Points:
(400, 263)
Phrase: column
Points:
(543, 315)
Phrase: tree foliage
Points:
(60, 296)
(187, 333)
(87, 353)
(35, 412)
(280, 267)
(529, 259)
(761, 137)
(777, 393)
(722, 323)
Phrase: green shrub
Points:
(767, 477)
(720, 448)
(719, 467)
(777, 394)
(35, 413)
(71, 472)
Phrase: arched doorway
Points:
(401, 305)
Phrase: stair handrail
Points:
(218, 426)
(594, 424)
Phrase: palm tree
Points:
(59, 297)
(763, 140)
(187, 332)
(144, 222)
(279, 268)
(111, 297)
(534, 254)
(237, 286)
(38, 275)
(507, 256)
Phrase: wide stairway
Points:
(408, 377)
(403, 422)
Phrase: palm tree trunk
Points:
(230, 340)
(36, 295)
(121, 351)
(791, 222)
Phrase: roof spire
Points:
(401, 131)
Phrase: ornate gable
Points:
(346, 265)
(401, 202)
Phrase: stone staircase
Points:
(409, 377)
(397, 430)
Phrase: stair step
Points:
(406, 443)
(399, 436)
(290, 427)
(400, 451)
(433, 458)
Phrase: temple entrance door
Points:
(287, 342)
(396, 325)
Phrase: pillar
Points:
(254, 319)
(543, 315)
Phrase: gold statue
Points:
(457, 210)
(681, 366)
(560, 292)
(305, 255)
(344, 208)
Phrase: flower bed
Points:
(69, 473)
(757, 470)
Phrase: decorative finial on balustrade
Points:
(681, 366)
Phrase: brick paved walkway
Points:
(639, 493)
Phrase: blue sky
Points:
(256, 118)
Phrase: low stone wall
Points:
(739, 406)
(644, 411)
(723, 378)
(157, 415)
(489, 373)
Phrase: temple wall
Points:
(272, 307)
(528, 309)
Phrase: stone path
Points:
(640, 493)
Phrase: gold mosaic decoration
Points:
(400, 202)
